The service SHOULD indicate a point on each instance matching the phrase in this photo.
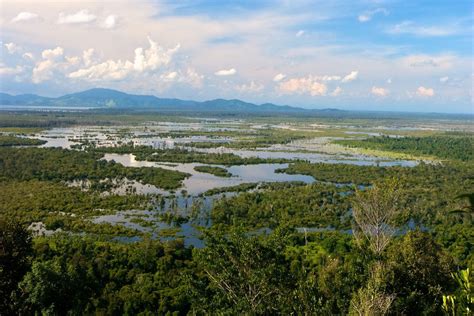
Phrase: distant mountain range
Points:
(107, 98)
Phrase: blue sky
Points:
(359, 55)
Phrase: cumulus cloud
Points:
(25, 16)
(336, 92)
(108, 70)
(251, 87)
(52, 53)
(226, 72)
(303, 86)
(110, 22)
(80, 17)
(425, 92)
(12, 48)
(380, 92)
(44, 69)
(443, 79)
(145, 60)
(279, 77)
(72, 60)
(315, 84)
(351, 77)
(299, 33)
(367, 16)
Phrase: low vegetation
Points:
(217, 171)
(182, 155)
(10, 140)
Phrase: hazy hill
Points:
(108, 98)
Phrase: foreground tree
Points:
(247, 274)
(461, 302)
(374, 212)
(372, 299)
(15, 254)
(417, 272)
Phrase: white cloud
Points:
(12, 48)
(191, 77)
(389, 80)
(145, 60)
(425, 92)
(367, 16)
(52, 53)
(43, 69)
(299, 33)
(363, 18)
(171, 76)
(336, 91)
(409, 27)
(25, 16)
(226, 72)
(72, 60)
(328, 78)
(82, 16)
(108, 70)
(110, 22)
(251, 87)
(279, 77)
(303, 86)
(380, 92)
(350, 77)
(441, 61)
(87, 56)
(10, 71)
(443, 79)
(315, 84)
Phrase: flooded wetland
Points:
(173, 177)
(184, 170)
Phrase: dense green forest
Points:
(54, 164)
(235, 273)
(459, 146)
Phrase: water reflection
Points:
(200, 182)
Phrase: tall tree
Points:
(374, 212)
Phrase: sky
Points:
(384, 55)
